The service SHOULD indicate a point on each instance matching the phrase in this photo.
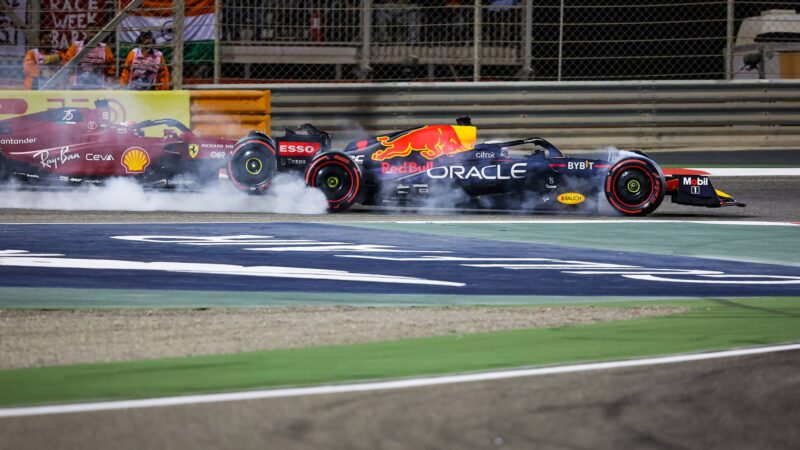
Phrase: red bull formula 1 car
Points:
(443, 161)
(83, 146)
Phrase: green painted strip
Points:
(760, 244)
(69, 298)
(711, 325)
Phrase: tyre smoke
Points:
(288, 194)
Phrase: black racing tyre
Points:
(635, 186)
(337, 176)
(252, 164)
(3, 171)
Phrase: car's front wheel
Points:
(635, 186)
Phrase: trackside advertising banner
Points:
(156, 16)
(125, 105)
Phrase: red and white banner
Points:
(69, 18)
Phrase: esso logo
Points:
(298, 148)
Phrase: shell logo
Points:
(135, 160)
(571, 198)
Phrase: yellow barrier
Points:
(125, 105)
(229, 113)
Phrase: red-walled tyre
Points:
(253, 163)
(337, 176)
(635, 186)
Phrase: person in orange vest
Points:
(97, 67)
(145, 68)
(41, 63)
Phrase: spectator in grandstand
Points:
(501, 18)
(398, 21)
(96, 69)
(145, 68)
(342, 23)
(41, 63)
(456, 15)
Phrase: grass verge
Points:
(711, 324)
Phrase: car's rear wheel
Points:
(252, 164)
(635, 186)
(337, 176)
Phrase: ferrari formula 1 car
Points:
(81, 145)
(419, 164)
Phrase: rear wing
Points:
(296, 148)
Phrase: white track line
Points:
(383, 385)
(510, 219)
(631, 221)
(750, 172)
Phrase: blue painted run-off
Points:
(308, 257)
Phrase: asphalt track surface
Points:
(742, 402)
(745, 402)
(742, 158)
(774, 199)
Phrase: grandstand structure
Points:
(291, 41)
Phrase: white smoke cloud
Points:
(614, 154)
(443, 199)
(288, 194)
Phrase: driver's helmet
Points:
(136, 131)
(503, 153)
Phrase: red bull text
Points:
(406, 167)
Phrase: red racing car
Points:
(81, 145)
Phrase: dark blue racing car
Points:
(443, 161)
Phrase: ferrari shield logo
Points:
(194, 149)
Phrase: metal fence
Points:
(647, 115)
(240, 41)
(500, 40)
(40, 39)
